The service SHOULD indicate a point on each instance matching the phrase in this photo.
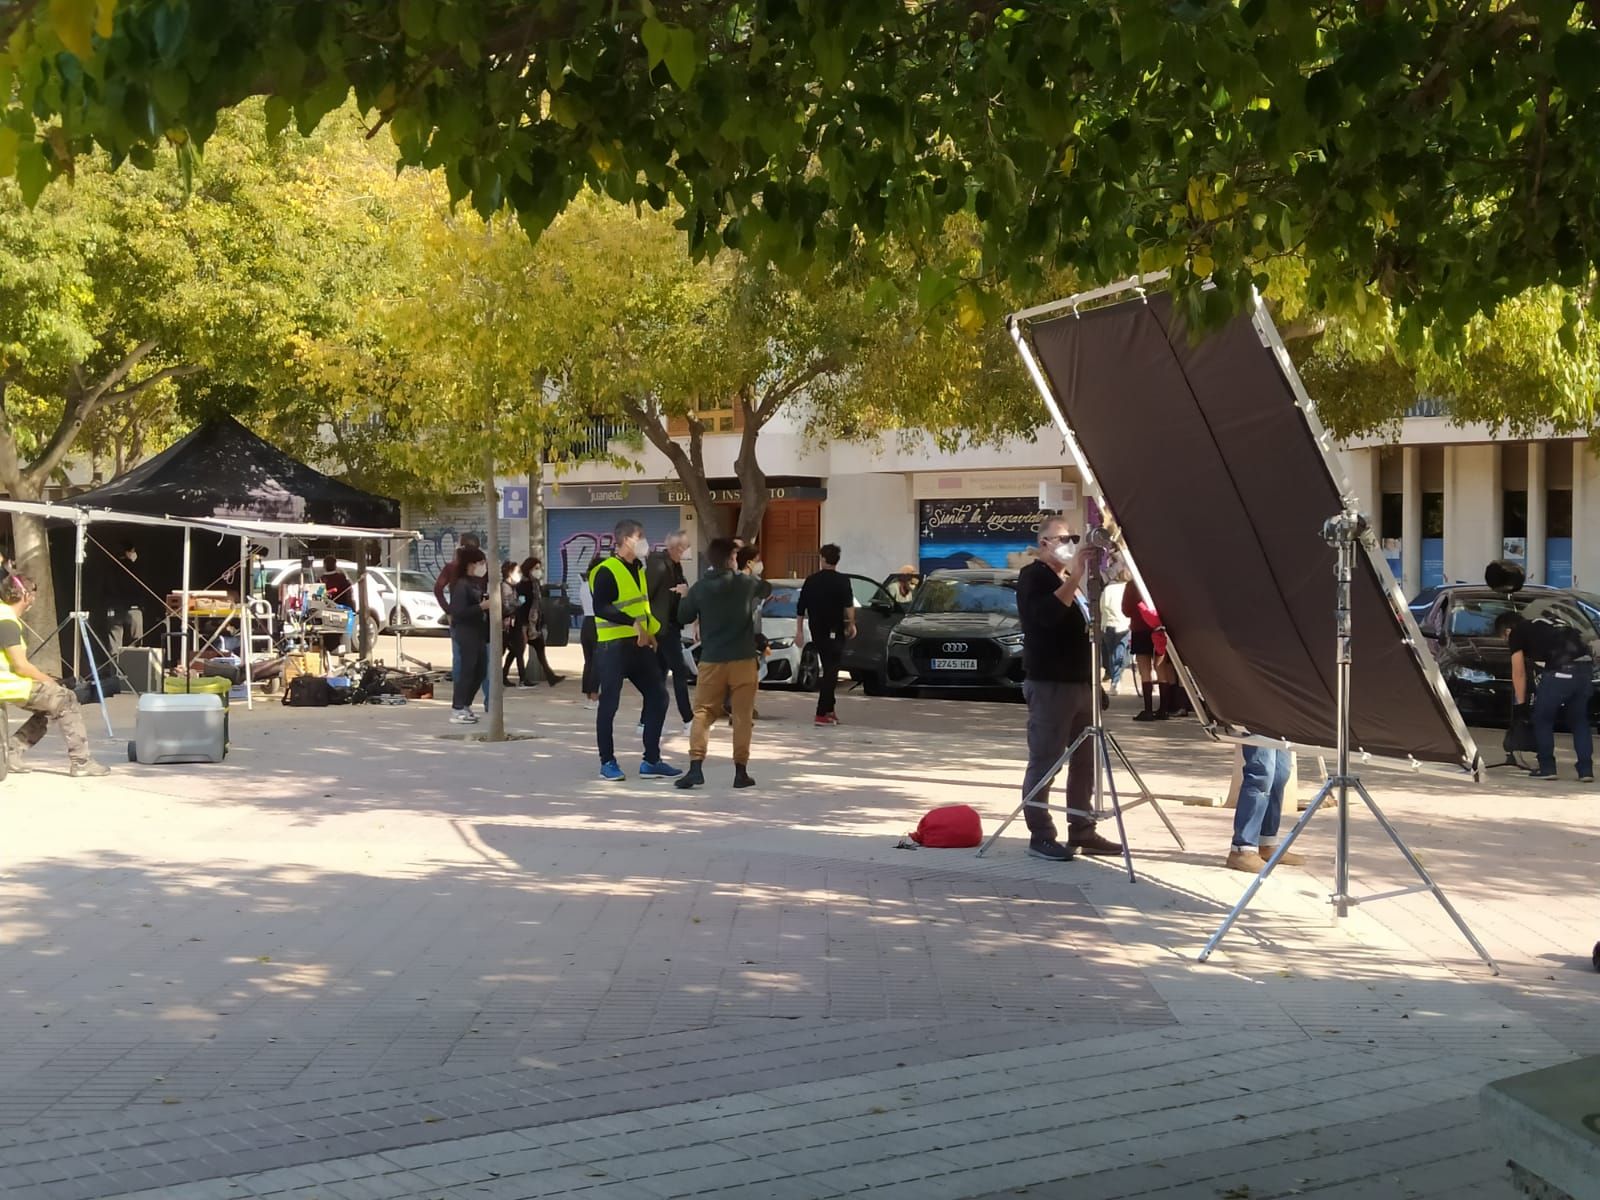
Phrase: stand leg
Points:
(1042, 785)
(1422, 874)
(94, 671)
(1103, 760)
(1261, 877)
(1146, 796)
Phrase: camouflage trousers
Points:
(52, 702)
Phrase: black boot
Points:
(1169, 701)
(741, 777)
(1148, 712)
(693, 777)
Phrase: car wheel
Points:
(369, 625)
(810, 675)
(400, 618)
(874, 684)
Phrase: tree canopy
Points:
(1438, 155)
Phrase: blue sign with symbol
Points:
(513, 503)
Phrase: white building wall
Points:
(873, 521)
(1473, 505)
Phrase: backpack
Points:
(952, 827)
(308, 691)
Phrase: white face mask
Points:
(757, 567)
(479, 570)
(516, 578)
(1062, 552)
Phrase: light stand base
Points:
(1341, 900)
(89, 640)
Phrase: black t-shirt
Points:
(1055, 636)
(1548, 643)
(825, 597)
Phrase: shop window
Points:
(1391, 515)
(1514, 519)
(1433, 514)
(1558, 513)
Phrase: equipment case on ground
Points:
(174, 729)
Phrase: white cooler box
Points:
(181, 728)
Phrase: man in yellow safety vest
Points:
(23, 685)
(625, 633)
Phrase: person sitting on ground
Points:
(24, 686)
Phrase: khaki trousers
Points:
(734, 682)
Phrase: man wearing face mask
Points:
(626, 635)
(1057, 661)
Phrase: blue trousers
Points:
(625, 661)
(1564, 690)
(1266, 774)
(1114, 654)
(455, 667)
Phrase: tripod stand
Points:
(85, 642)
(1345, 532)
(1105, 745)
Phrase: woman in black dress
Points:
(533, 612)
(469, 626)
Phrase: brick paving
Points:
(362, 959)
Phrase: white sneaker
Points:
(591, 704)
(688, 728)
(639, 728)
(462, 717)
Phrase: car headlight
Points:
(1010, 639)
(779, 643)
(900, 639)
(1471, 675)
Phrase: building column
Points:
(1411, 521)
(1580, 513)
(1537, 521)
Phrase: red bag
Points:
(951, 827)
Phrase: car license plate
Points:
(954, 664)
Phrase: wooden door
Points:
(791, 535)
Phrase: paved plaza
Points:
(363, 958)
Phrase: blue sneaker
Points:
(658, 770)
(611, 773)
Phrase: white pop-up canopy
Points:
(244, 528)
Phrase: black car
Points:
(1458, 627)
(962, 632)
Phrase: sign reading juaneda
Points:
(978, 533)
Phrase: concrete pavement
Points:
(365, 958)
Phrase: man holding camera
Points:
(1057, 660)
(1565, 686)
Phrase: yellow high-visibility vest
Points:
(14, 688)
(632, 599)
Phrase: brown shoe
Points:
(1245, 860)
(1289, 859)
(1085, 840)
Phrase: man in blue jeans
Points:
(1566, 684)
(1255, 821)
(441, 587)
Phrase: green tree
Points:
(131, 302)
(1435, 158)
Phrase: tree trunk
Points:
(754, 494)
(689, 465)
(536, 511)
(497, 641)
(33, 560)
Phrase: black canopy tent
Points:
(219, 472)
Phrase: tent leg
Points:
(244, 620)
(183, 624)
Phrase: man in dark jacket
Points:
(725, 603)
(665, 583)
(441, 588)
(1565, 686)
(124, 600)
(1057, 662)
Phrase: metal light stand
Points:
(1344, 532)
(1105, 745)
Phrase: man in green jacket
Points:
(726, 603)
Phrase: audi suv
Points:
(962, 632)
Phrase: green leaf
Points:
(73, 22)
(655, 37)
(10, 140)
(279, 113)
(1577, 61)
(416, 19)
(682, 57)
(33, 172)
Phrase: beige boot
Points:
(1245, 859)
(1289, 859)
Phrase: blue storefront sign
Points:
(1558, 561)
(977, 533)
(1432, 562)
(513, 503)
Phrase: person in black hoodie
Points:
(666, 586)
(1057, 663)
(469, 629)
(531, 610)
